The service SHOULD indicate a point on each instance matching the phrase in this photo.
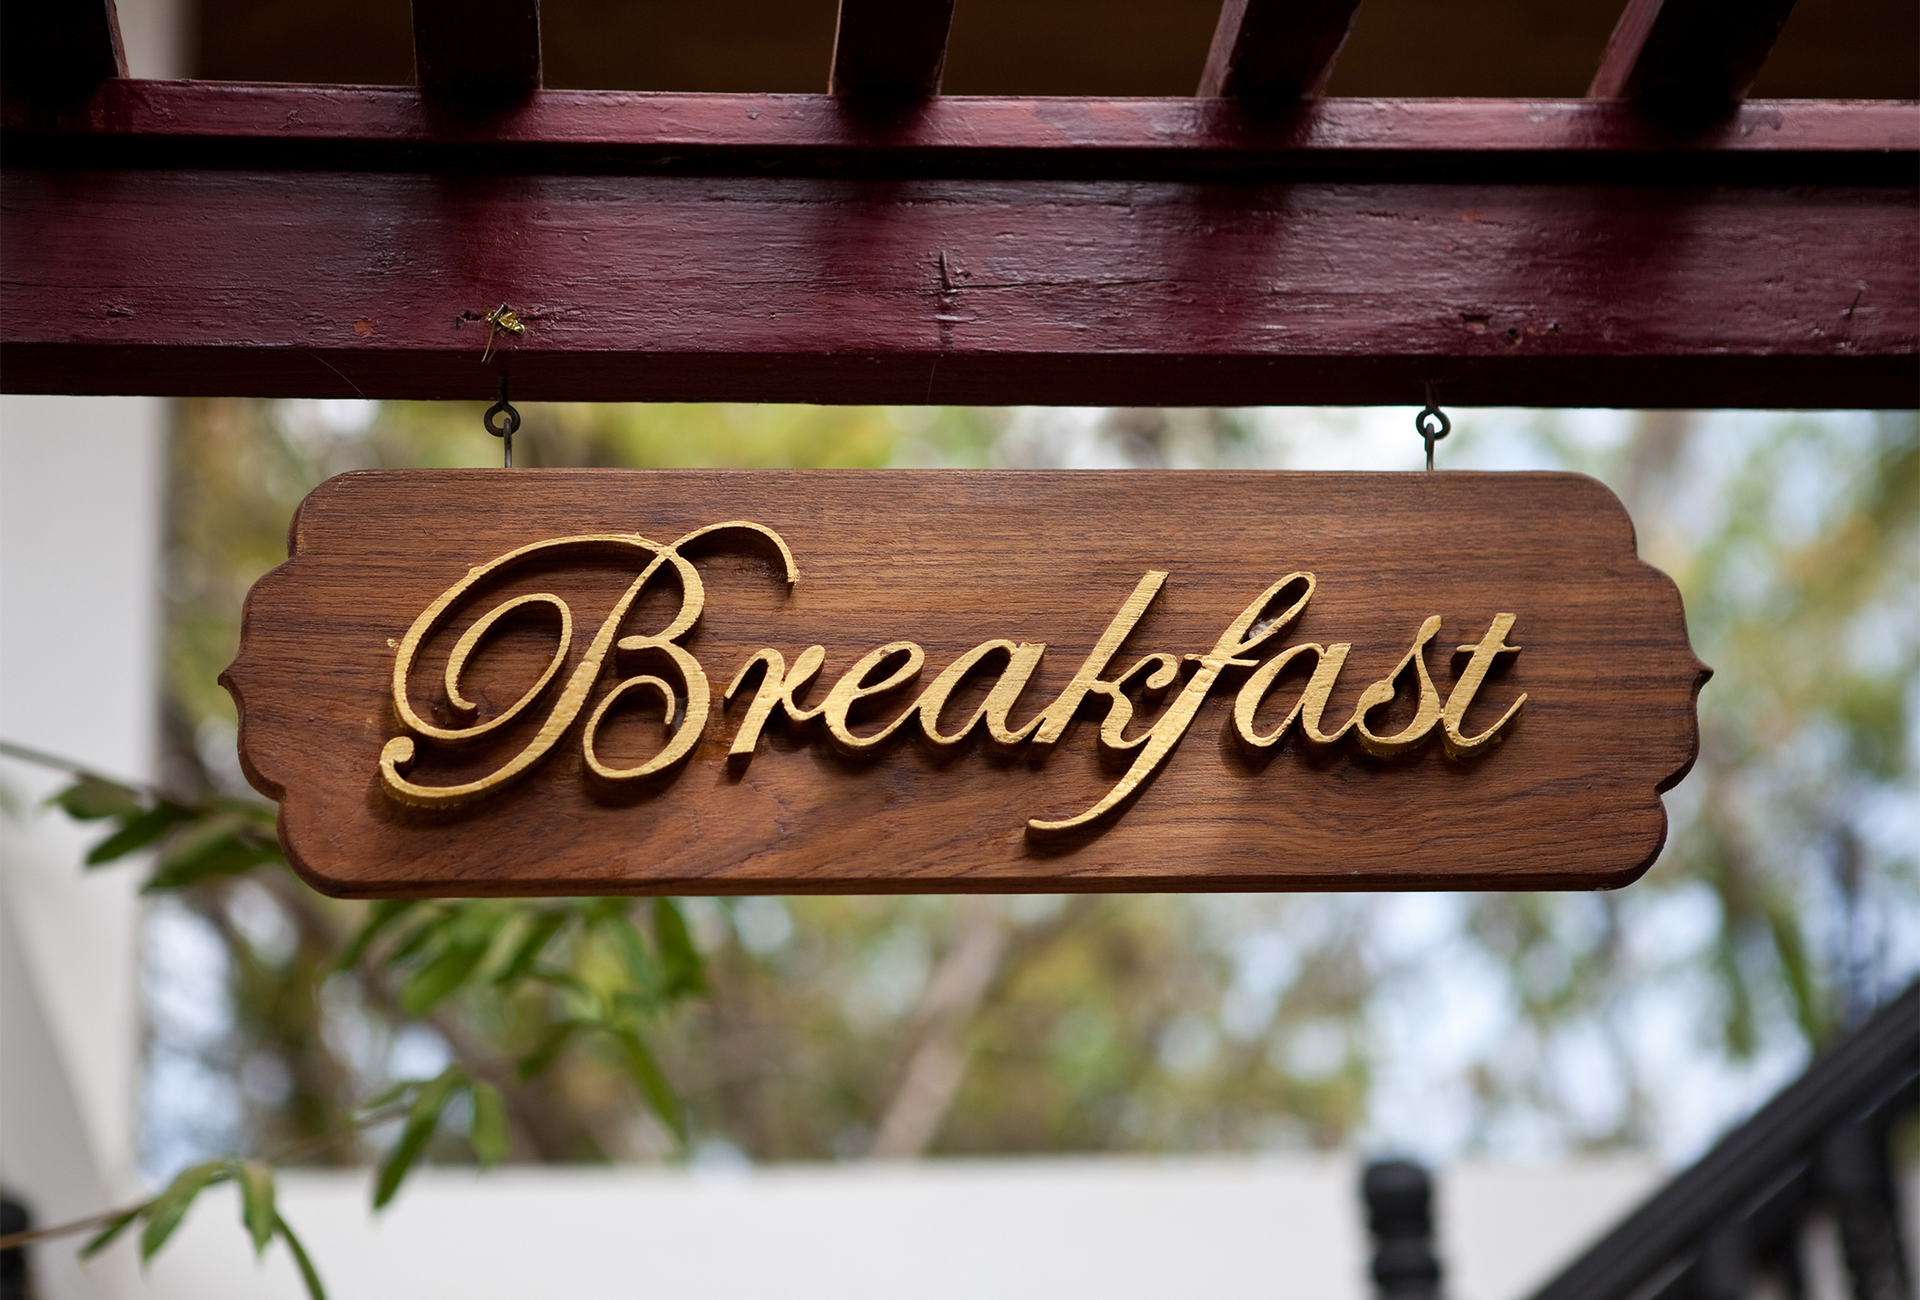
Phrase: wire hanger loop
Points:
(1432, 424)
(509, 424)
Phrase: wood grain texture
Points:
(287, 241)
(795, 248)
(231, 125)
(1688, 56)
(1275, 49)
(55, 52)
(948, 560)
(477, 49)
(890, 48)
(326, 284)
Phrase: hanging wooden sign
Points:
(610, 681)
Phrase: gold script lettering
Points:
(1313, 701)
(853, 687)
(1053, 720)
(1426, 710)
(1253, 692)
(1460, 698)
(1159, 740)
(397, 756)
(778, 687)
(1022, 658)
(663, 669)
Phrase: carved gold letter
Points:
(777, 687)
(1054, 718)
(687, 734)
(1460, 698)
(1254, 691)
(854, 687)
(1313, 700)
(1022, 658)
(1426, 712)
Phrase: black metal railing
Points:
(1822, 1144)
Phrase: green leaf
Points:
(489, 1131)
(421, 935)
(441, 976)
(113, 1229)
(641, 967)
(138, 832)
(422, 1118)
(685, 972)
(308, 1273)
(652, 1083)
(599, 911)
(561, 980)
(164, 1212)
(550, 1047)
(221, 847)
(266, 816)
(380, 915)
(387, 1096)
(539, 934)
(256, 1203)
(92, 799)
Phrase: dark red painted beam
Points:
(133, 123)
(477, 49)
(1688, 56)
(1275, 49)
(59, 49)
(779, 248)
(890, 48)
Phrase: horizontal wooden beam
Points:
(145, 124)
(758, 248)
(1275, 49)
(890, 48)
(1688, 56)
(479, 49)
(59, 49)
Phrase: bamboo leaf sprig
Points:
(591, 969)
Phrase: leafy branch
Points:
(581, 970)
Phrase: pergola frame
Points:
(1658, 245)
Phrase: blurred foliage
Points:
(1796, 544)
(259, 1214)
(846, 1027)
(513, 988)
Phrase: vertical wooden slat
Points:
(1688, 54)
(894, 48)
(59, 47)
(1275, 49)
(477, 48)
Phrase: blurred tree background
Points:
(1787, 901)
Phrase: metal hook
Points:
(1432, 424)
(511, 425)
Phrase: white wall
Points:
(80, 530)
(81, 486)
(1118, 1229)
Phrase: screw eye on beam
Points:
(891, 48)
(1275, 49)
(477, 49)
(55, 49)
(1682, 56)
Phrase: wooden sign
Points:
(608, 681)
